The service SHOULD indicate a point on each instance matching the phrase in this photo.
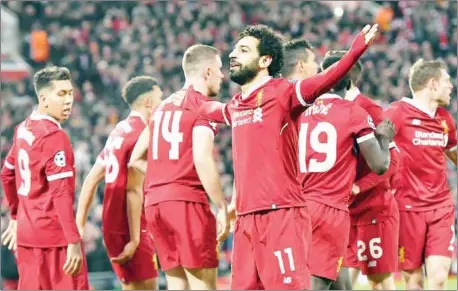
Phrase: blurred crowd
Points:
(106, 43)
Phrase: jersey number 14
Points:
(169, 123)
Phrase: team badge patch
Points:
(59, 159)
(371, 122)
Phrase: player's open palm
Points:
(126, 255)
(9, 235)
(370, 32)
(74, 260)
(224, 225)
(386, 129)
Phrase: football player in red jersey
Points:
(39, 182)
(128, 244)
(327, 167)
(180, 173)
(299, 60)
(374, 234)
(425, 135)
(273, 227)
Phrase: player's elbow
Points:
(381, 167)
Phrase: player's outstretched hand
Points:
(74, 260)
(9, 235)
(386, 129)
(127, 253)
(224, 225)
(370, 32)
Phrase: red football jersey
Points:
(328, 131)
(115, 157)
(367, 204)
(171, 174)
(422, 138)
(42, 163)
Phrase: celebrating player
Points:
(38, 179)
(123, 221)
(374, 212)
(181, 171)
(273, 226)
(327, 167)
(299, 60)
(425, 135)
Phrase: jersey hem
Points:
(253, 211)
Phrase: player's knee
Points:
(438, 279)
(381, 281)
(414, 279)
(202, 278)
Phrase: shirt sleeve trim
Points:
(59, 176)
(100, 161)
(224, 114)
(450, 149)
(365, 137)
(9, 166)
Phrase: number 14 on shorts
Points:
(288, 253)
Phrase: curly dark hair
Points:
(136, 87)
(270, 44)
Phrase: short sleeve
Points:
(210, 125)
(362, 124)
(101, 158)
(451, 128)
(58, 154)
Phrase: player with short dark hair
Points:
(425, 135)
(128, 244)
(180, 173)
(39, 182)
(299, 60)
(327, 166)
(374, 234)
(272, 232)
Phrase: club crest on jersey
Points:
(445, 126)
(59, 159)
(259, 98)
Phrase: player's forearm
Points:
(231, 208)
(9, 186)
(313, 87)
(208, 175)
(381, 163)
(452, 155)
(371, 180)
(85, 201)
(134, 212)
(140, 165)
(63, 205)
(141, 147)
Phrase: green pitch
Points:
(452, 285)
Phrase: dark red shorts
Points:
(141, 267)
(374, 247)
(424, 234)
(330, 233)
(271, 250)
(184, 234)
(42, 268)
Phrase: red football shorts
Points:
(184, 234)
(373, 248)
(141, 267)
(42, 269)
(271, 250)
(330, 233)
(424, 234)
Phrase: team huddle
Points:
(326, 183)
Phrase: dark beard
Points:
(245, 73)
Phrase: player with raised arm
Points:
(39, 182)
(128, 244)
(425, 135)
(180, 173)
(374, 234)
(273, 227)
(327, 165)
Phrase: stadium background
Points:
(106, 43)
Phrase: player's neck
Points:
(424, 100)
(41, 110)
(144, 112)
(248, 87)
(197, 85)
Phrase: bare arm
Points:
(134, 203)
(376, 153)
(138, 156)
(451, 154)
(88, 190)
(202, 150)
(231, 211)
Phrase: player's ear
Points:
(265, 61)
(43, 100)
